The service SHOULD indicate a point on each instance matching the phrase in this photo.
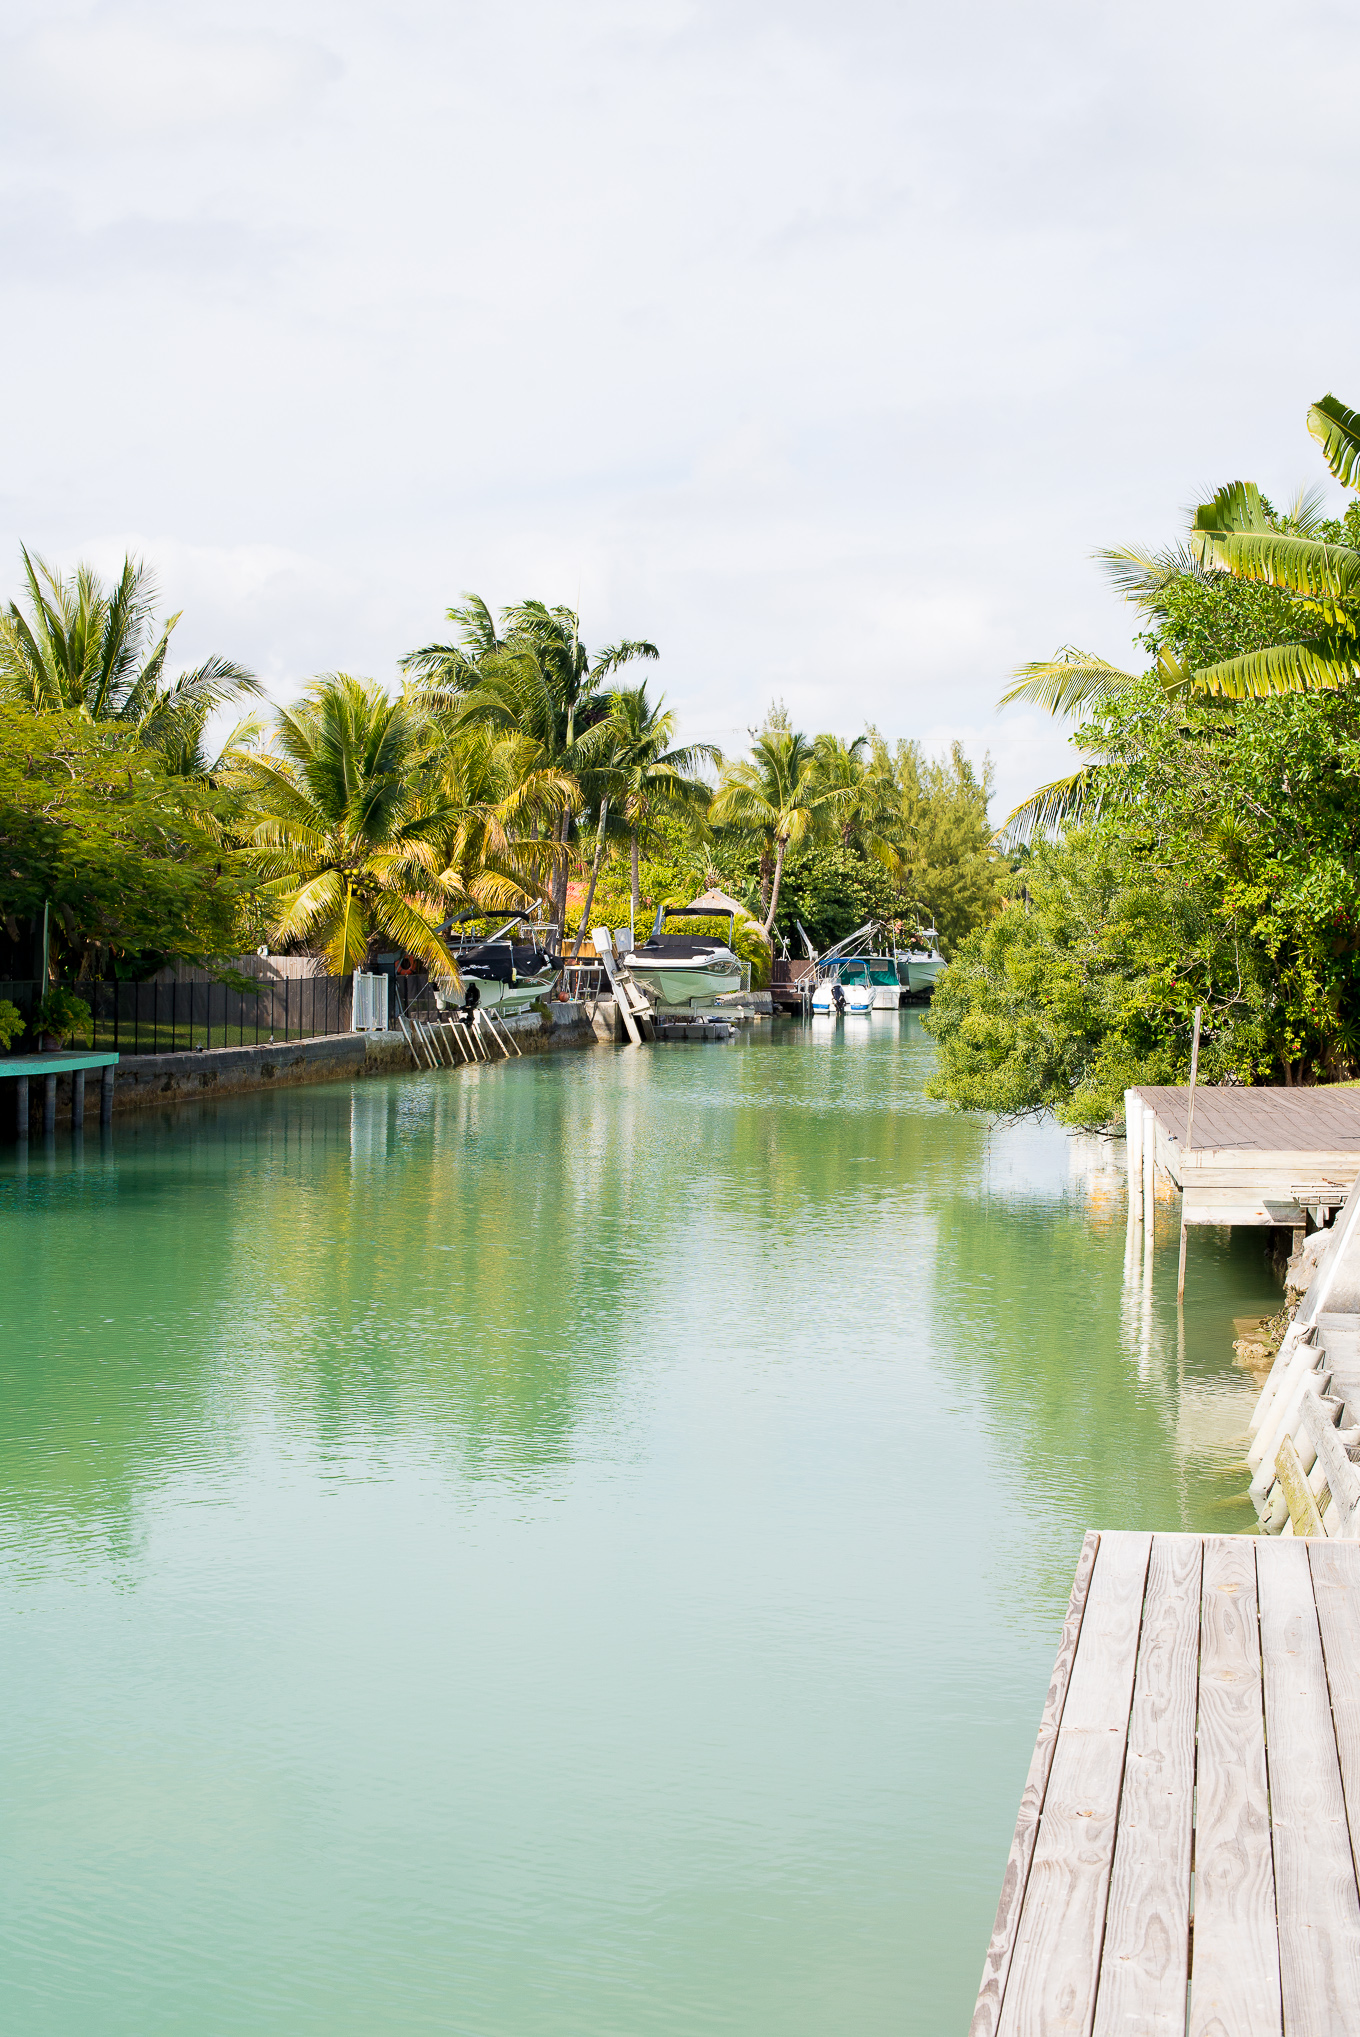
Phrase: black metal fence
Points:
(168, 1018)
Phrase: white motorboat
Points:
(501, 974)
(887, 984)
(685, 969)
(921, 965)
(844, 988)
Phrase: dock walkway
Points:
(1183, 1859)
(1256, 1156)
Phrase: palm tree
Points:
(353, 824)
(533, 678)
(869, 812)
(1235, 533)
(778, 794)
(649, 774)
(86, 649)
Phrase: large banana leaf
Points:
(1236, 506)
(1337, 431)
(1302, 565)
(1070, 683)
(1288, 668)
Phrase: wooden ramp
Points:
(1183, 1859)
(1256, 1156)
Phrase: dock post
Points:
(1149, 1168)
(21, 1106)
(78, 1100)
(49, 1106)
(1189, 1133)
(106, 1097)
(1133, 1137)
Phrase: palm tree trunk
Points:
(778, 873)
(637, 888)
(594, 873)
(560, 881)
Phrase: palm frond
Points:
(1142, 576)
(1069, 684)
(1061, 803)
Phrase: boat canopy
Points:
(699, 910)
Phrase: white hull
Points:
(683, 983)
(507, 999)
(887, 996)
(858, 1002)
(923, 975)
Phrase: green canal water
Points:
(575, 1549)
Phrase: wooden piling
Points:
(21, 1106)
(78, 1100)
(49, 1105)
(1189, 1133)
(105, 1098)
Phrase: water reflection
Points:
(583, 1536)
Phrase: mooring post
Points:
(106, 1097)
(49, 1106)
(1189, 1130)
(21, 1106)
(78, 1100)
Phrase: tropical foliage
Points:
(514, 770)
(1206, 852)
(76, 646)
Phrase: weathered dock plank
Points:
(1235, 1986)
(1316, 1901)
(997, 1967)
(1056, 1966)
(1146, 1957)
(1191, 1812)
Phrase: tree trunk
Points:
(594, 873)
(637, 888)
(774, 893)
(560, 881)
(764, 879)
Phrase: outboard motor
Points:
(472, 996)
(838, 999)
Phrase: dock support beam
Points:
(1133, 1138)
(105, 1098)
(49, 1106)
(78, 1101)
(1149, 1168)
(21, 1106)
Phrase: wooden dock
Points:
(1256, 1156)
(1183, 1859)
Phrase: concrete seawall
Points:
(155, 1081)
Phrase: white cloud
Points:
(126, 74)
(821, 346)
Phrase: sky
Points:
(820, 345)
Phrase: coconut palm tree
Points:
(357, 818)
(86, 649)
(778, 794)
(532, 676)
(648, 774)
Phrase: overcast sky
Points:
(821, 344)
